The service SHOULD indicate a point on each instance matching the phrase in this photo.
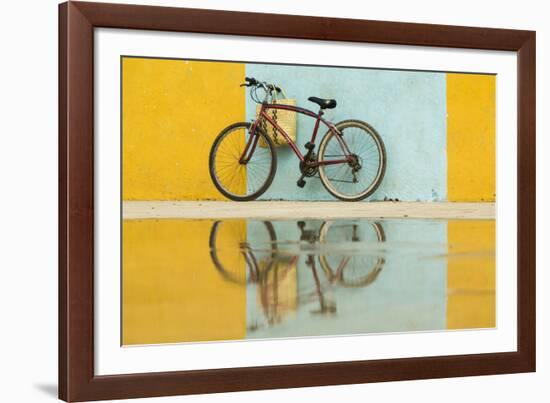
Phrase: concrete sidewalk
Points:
(305, 210)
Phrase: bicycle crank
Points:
(306, 168)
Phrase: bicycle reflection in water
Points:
(250, 255)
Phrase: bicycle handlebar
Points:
(252, 82)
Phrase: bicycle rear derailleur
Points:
(306, 168)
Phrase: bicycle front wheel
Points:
(237, 180)
(358, 180)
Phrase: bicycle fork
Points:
(251, 144)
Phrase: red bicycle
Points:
(351, 159)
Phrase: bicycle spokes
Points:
(242, 178)
(361, 174)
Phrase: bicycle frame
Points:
(253, 138)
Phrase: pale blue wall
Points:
(408, 109)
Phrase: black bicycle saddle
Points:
(323, 103)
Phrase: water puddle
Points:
(211, 280)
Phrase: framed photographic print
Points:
(253, 201)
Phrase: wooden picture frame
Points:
(77, 381)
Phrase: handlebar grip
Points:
(251, 80)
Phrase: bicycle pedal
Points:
(301, 183)
(309, 145)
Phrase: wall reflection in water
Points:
(205, 280)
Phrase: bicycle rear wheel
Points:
(237, 180)
(353, 182)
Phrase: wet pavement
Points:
(188, 280)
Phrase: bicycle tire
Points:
(268, 142)
(341, 126)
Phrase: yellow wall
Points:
(172, 111)
(471, 137)
(471, 278)
(171, 290)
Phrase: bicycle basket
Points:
(285, 119)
